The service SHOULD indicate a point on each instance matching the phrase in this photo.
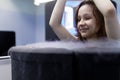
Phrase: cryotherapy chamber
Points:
(66, 60)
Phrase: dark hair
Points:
(114, 3)
(98, 16)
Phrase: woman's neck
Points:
(94, 37)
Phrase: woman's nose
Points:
(82, 22)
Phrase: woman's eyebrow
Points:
(87, 14)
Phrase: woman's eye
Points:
(78, 19)
(87, 18)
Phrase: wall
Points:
(23, 17)
(19, 16)
(5, 69)
(49, 33)
(118, 8)
(40, 23)
(27, 20)
(43, 30)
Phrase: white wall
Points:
(5, 69)
(19, 16)
(40, 23)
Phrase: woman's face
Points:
(86, 22)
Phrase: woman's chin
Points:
(84, 35)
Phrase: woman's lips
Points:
(83, 29)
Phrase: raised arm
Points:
(55, 21)
(109, 12)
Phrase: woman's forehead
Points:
(85, 9)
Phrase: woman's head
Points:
(89, 21)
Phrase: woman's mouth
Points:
(83, 30)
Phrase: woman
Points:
(94, 19)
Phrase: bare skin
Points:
(88, 28)
(87, 22)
